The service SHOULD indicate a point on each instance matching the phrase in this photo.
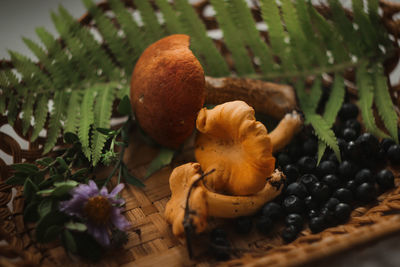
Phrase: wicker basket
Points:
(151, 241)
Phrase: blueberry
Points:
(368, 146)
(342, 212)
(351, 185)
(313, 213)
(332, 157)
(385, 179)
(328, 216)
(220, 248)
(306, 164)
(394, 154)
(331, 203)
(366, 192)
(352, 151)
(243, 225)
(294, 150)
(331, 180)
(296, 220)
(283, 159)
(291, 172)
(310, 203)
(349, 134)
(317, 224)
(348, 111)
(347, 170)
(353, 124)
(310, 147)
(342, 146)
(386, 143)
(320, 191)
(293, 204)
(264, 224)
(344, 195)
(308, 180)
(297, 189)
(326, 167)
(364, 176)
(272, 210)
(289, 234)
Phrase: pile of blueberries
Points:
(324, 195)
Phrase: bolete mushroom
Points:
(168, 88)
(238, 147)
(204, 202)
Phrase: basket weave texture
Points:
(151, 241)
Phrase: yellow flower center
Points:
(98, 209)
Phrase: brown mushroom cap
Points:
(237, 146)
(168, 90)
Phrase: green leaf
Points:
(153, 30)
(45, 207)
(27, 168)
(86, 120)
(27, 112)
(52, 233)
(76, 226)
(70, 138)
(54, 129)
(69, 241)
(51, 219)
(163, 158)
(335, 100)
(129, 178)
(73, 113)
(30, 189)
(315, 94)
(171, 19)
(124, 107)
(30, 212)
(17, 179)
(384, 103)
(321, 150)
(105, 131)
(44, 161)
(40, 116)
(62, 163)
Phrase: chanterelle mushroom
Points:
(238, 147)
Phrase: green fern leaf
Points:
(171, 19)
(321, 150)
(366, 96)
(232, 40)
(277, 35)
(152, 27)
(315, 94)
(27, 112)
(203, 47)
(12, 110)
(367, 30)
(86, 120)
(4, 92)
(13, 104)
(103, 110)
(73, 112)
(324, 133)
(54, 129)
(40, 115)
(335, 100)
(384, 102)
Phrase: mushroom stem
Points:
(285, 130)
(224, 206)
(269, 98)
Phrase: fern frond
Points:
(315, 94)
(152, 27)
(233, 41)
(242, 17)
(335, 101)
(321, 150)
(13, 103)
(4, 92)
(86, 120)
(73, 112)
(384, 102)
(366, 97)
(54, 128)
(116, 44)
(203, 47)
(27, 112)
(271, 16)
(366, 29)
(40, 115)
(171, 19)
(103, 110)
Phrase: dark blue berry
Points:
(394, 154)
(317, 224)
(385, 179)
(332, 181)
(307, 164)
(344, 195)
(294, 150)
(308, 180)
(351, 185)
(220, 249)
(310, 147)
(342, 212)
(386, 143)
(352, 151)
(296, 220)
(272, 210)
(243, 225)
(264, 224)
(364, 176)
(320, 191)
(332, 157)
(349, 134)
(283, 159)
(368, 146)
(353, 124)
(347, 170)
(348, 111)
(342, 146)
(297, 189)
(291, 172)
(366, 192)
(310, 203)
(293, 204)
(326, 167)
(313, 213)
(331, 203)
(289, 234)
(328, 216)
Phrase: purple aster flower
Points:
(99, 208)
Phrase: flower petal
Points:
(100, 233)
(116, 190)
(104, 191)
(75, 205)
(119, 220)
